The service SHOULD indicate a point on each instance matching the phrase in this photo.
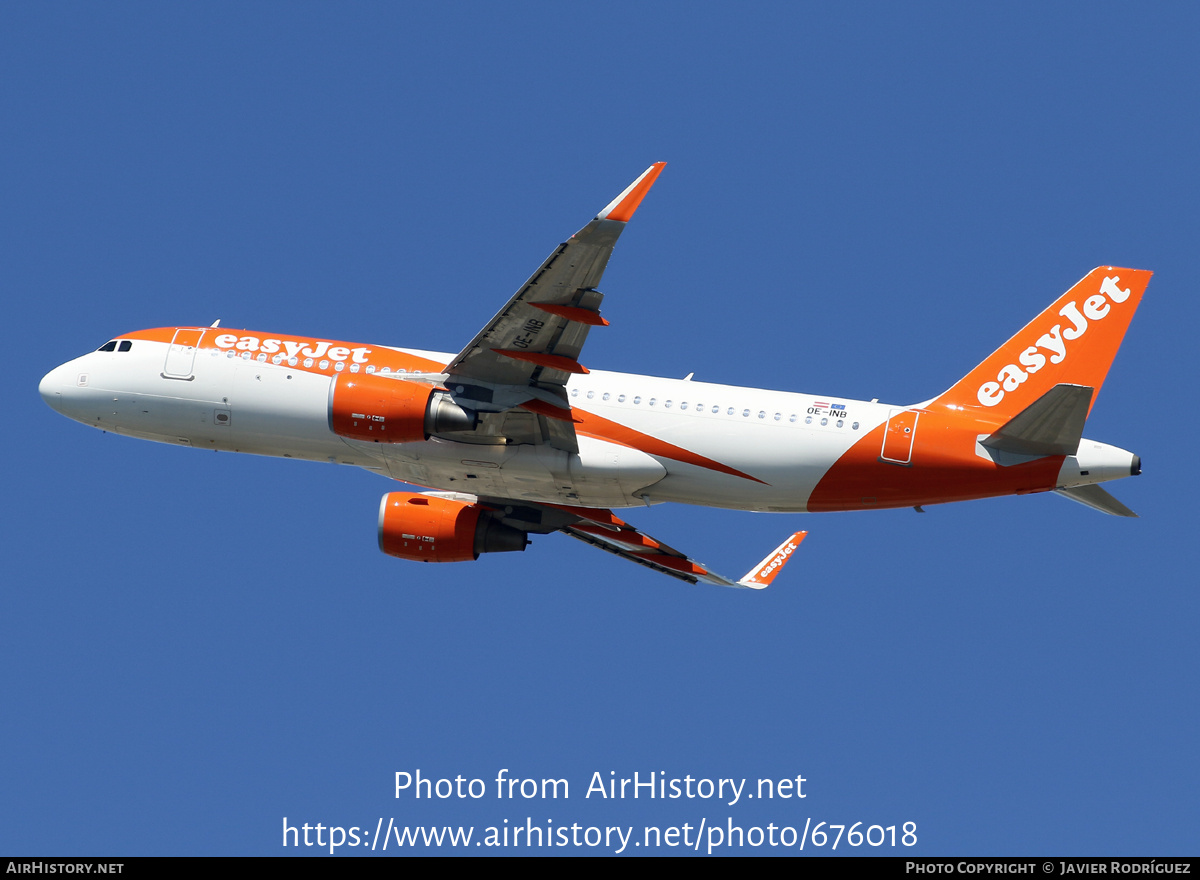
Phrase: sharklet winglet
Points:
(760, 577)
(623, 206)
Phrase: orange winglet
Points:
(573, 313)
(760, 577)
(553, 361)
(622, 207)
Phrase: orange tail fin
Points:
(1074, 341)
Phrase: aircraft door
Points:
(899, 436)
(181, 354)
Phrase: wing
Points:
(514, 372)
(601, 528)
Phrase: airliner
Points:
(514, 436)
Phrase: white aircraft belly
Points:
(601, 475)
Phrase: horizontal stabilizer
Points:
(1096, 498)
(1051, 425)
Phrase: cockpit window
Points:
(108, 346)
(125, 345)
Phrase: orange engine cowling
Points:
(370, 406)
(426, 528)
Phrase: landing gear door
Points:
(181, 354)
(899, 436)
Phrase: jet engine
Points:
(427, 528)
(370, 406)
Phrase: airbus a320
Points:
(513, 436)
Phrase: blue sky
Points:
(860, 200)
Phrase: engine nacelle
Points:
(371, 406)
(426, 528)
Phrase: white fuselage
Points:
(781, 443)
(642, 440)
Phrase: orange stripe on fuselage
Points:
(549, 410)
(601, 428)
(380, 357)
(944, 467)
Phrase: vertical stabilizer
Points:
(1072, 342)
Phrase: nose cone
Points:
(51, 388)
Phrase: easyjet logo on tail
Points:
(1053, 344)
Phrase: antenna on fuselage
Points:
(216, 323)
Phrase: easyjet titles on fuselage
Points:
(292, 349)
